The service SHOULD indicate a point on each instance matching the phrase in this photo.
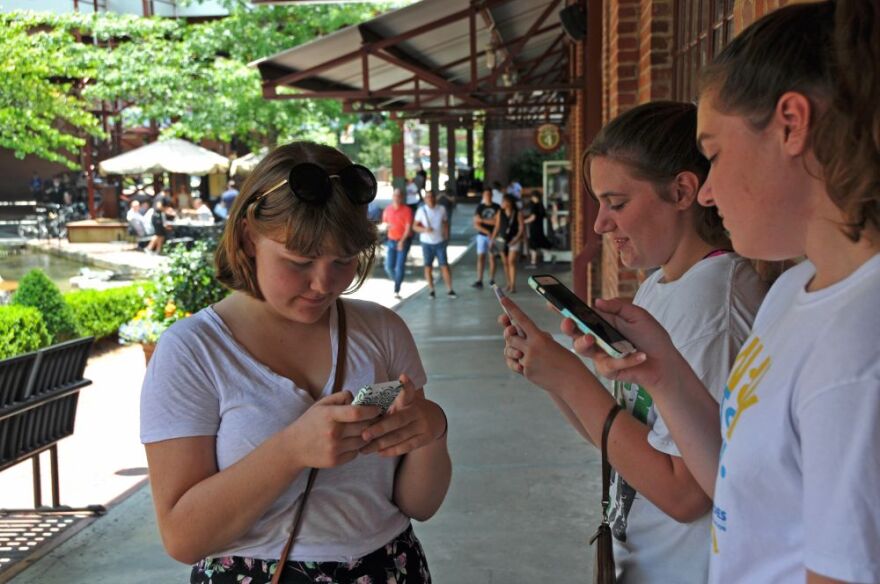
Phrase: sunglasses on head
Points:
(312, 184)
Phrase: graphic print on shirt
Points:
(638, 402)
(740, 394)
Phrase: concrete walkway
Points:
(525, 487)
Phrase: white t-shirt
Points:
(708, 312)
(201, 382)
(412, 194)
(798, 483)
(497, 196)
(433, 218)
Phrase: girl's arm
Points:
(660, 477)
(188, 490)
(690, 412)
(415, 428)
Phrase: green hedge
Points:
(35, 289)
(100, 313)
(21, 330)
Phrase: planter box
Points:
(96, 231)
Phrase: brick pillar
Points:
(623, 55)
(637, 68)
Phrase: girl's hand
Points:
(650, 366)
(538, 357)
(330, 432)
(410, 423)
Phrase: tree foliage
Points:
(193, 79)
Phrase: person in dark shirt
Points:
(486, 223)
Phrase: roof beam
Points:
(518, 46)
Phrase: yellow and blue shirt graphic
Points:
(740, 394)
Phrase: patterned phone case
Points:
(378, 394)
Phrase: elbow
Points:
(181, 548)
(181, 552)
(689, 509)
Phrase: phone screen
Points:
(562, 297)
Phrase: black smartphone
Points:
(588, 320)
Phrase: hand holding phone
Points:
(378, 394)
(500, 296)
(587, 320)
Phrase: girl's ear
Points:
(247, 240)
(792, 114)
(685, 187)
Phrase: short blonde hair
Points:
(337, 225)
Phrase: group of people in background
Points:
(505, 230)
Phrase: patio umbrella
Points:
(246, 164)
(174, 156)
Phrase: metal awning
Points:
(438, 59)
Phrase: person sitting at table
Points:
(163, 215)
(202, 211)
(135, 220)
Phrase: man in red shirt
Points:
(399, 219)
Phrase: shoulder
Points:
(373, 316)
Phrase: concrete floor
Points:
(525, 489)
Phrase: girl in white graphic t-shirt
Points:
(789, 117)
(238, 404)
(645, 171)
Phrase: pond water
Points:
(16, 263)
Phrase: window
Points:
(702, 29)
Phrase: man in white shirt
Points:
(432, 225)
(134, 219)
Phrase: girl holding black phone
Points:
(645, 171)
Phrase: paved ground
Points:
(524, 492)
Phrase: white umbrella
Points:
(174, 156)
(246, 164)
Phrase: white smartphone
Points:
(588, 320)
(499, 294)
(378, 394)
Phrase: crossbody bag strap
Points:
(342, 343)
(606, 467)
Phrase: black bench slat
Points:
(39, 393)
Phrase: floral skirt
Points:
(400, 561)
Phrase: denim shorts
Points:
(432, 250)
(401, 560)
(482, 244)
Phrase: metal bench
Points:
(39, 392)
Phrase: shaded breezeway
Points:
(525, 487)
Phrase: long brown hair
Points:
(829, 52)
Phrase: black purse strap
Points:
(606, 467)
(313, 472)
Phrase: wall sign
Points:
(548, 137)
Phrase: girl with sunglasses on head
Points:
(244, 402)
(789, 116)
(645, 171)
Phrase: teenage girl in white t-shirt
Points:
(789, 116)
(237, 403)
(645, 171)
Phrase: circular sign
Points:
(548, 137)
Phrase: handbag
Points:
(313, 472)
(603, 567)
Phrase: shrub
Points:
(185, 284)
(187, 280)
(37, 290)
(100, 313)
(21, 330)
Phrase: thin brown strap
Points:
(606, 467)
(313, 472)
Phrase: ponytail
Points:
(847, 136)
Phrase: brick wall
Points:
(637, 67)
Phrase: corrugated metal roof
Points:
(419, 58)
